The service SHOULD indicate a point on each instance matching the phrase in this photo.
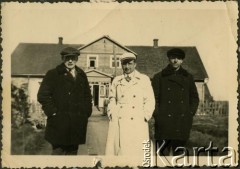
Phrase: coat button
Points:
(131, 118)
(168, 88)
(69, 93)
(169, 101)
(122, 95)
(182, 89)
(181, 101)
(133, 107)
(169, 115)
(134, 95)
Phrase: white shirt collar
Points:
(131, 75)
(72, 71)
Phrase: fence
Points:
(213, 108)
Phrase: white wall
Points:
(200, 89)
(32, 85)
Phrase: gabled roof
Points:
(113, 41)
(98, 72)
(36, 58)
(151, 60)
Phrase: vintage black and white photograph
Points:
(119, 84)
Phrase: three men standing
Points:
(66, 100)
(176, 102)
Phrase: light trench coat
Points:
(131, 106)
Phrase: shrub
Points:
(24, 138)
(19, 106)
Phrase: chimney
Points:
(60, 40)
(155, 43)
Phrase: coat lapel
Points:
(126, 86)
(67, 79)
(180, 80)
(178, 77)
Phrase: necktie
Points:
(128, 78)
(72, 71)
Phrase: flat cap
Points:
(176, 52)
(128, 55)
(70, 51)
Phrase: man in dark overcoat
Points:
(66, 100)
(176, 103)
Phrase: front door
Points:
(102, 94)
(95, 94)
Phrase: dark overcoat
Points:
(176, 103)
(70, 99)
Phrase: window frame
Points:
(88, 60)
(118, 60)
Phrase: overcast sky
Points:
(210, 26)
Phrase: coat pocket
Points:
(52, 120)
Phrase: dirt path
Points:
(96, 135)
(95, 141)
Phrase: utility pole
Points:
(115, 60)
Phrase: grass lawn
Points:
(204, 130)
(27, 141)
(209, 128)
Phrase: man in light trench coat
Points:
(131, 106)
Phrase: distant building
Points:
(31, 61)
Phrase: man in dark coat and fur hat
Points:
(66, 100)
(176, 103)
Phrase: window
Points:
(112, 62)
(92, 61)
(102, 90)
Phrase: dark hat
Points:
(70, 51)
(176, 52)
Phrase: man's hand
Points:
(110, 117)
(147, 118)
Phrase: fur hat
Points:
(176, 52)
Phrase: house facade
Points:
(100, 60)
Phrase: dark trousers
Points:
(64, 150)
(168, 147)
